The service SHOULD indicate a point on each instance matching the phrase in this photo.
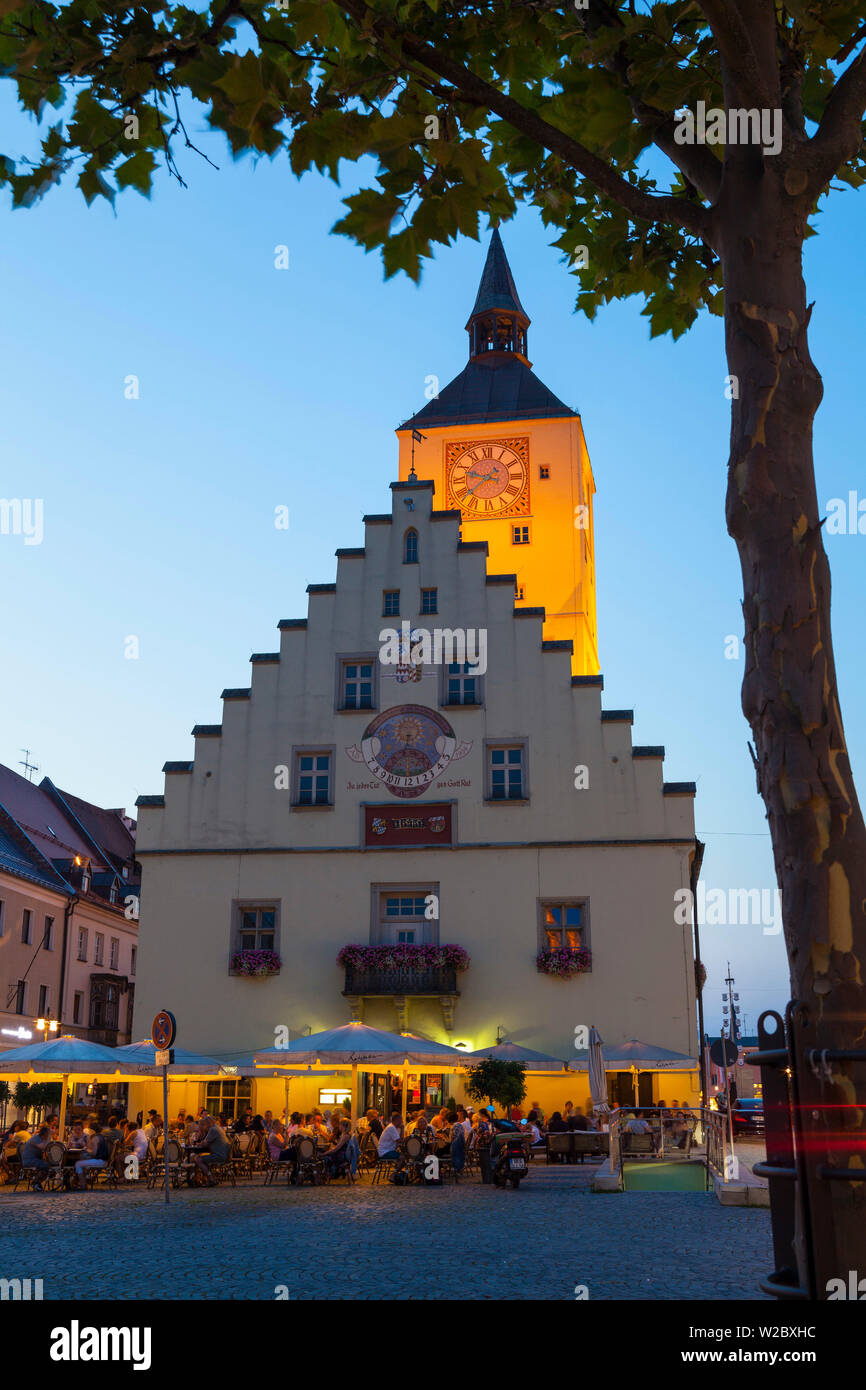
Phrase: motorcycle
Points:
(510, 1159)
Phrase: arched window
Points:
(410, 547)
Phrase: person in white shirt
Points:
(136, 1142)
(390, 1137)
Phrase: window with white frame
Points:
(82, 943)
(462, 684)
(506, 772)
(403, 918)
(313, 778)
(357, 684)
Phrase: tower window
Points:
(543, 471)
(429, 600)
(520, 535)
(520, 592)
(410, 547)
(391, 603)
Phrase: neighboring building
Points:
(75, 958)
(34, 900)
(346, 799)
(747, 1077)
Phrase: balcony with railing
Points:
(429, 980)
(403, 972)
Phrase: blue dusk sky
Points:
(261, 387)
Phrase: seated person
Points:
(136, 1144)
(33, 1155)
(77, 1140)
(557, 1124)
(374, 1123)
(636, 1124)
(531, 1127)
(336, 1155)
(214, 1149)
(96, 1156)
(113, 1131)
(276, 1140)
(390, 1139)
(458, 1144)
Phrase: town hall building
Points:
(420, 813)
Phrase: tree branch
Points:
(737, 51)
(840, 132)
(645, 207)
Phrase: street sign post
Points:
(163, 1033)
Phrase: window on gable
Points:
(357, 683)
(506, 772)
(313, 779)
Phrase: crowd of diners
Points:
(207, 1139)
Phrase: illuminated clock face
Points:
(488, 478)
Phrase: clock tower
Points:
(511, 458)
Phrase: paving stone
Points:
(534, 1243)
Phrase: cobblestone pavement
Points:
(469, 1241)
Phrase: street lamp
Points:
(47, 1025)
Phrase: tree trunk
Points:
(789, 693)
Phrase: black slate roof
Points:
(497, 289)
(501, 388)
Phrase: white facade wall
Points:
(226, 833)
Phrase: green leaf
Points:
(137, 171)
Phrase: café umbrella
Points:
(639, 1056)
(244, 1065)
(66, 1056)
(354, 1045)
(185, 1064)
(597, 1078)
(506, 1051)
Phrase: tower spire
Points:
(498, 321)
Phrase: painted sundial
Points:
(407, 747)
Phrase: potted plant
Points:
(257, 965)
(564, 961)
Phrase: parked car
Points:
(748, 1116)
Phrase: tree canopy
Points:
(467, 109)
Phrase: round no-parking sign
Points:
(164, 1030)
